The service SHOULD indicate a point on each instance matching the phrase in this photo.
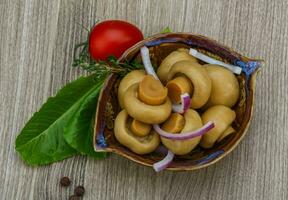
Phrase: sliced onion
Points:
(185, 104)
(147, 62)
(163, 164)
(207, 59)
(184, 136)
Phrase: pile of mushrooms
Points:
(183, 105)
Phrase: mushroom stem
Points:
(139, 128)
(178, 86)
(151, 91)
(174, 124)
(143, 112)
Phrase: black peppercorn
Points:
(79, 190)
(65, 181)
(74, 197)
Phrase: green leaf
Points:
(41, 141)
(166, 30)
(79, 133)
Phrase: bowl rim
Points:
(252, 85)
(159, 35)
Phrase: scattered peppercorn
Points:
(65, 181)
(74, 197)
(79, 190)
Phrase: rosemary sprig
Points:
(112, 65)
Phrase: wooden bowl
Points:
(160, 46)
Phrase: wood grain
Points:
(36, 46)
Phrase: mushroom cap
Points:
(199, 77)
(225, 87)
(173, 57)
(142, 112)
(132, 77)
(180, 147)
(139, 145)
(222, 116)
(227, 132)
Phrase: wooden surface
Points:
(36, 45)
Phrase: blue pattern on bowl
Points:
(248, 67)
(210, 157)
(101, 141)
(160, 41)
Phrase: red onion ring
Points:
(163, 164)
(184, 136)
(185, 104)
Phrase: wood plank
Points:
(36, 48)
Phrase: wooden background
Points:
(36, 45)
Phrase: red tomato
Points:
(112, 38)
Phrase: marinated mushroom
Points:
(192, 121)
(225, 87)
(139, 145)
(141, 111)
(172, 58)
(199, 79)
(134, 76)
(222, 116)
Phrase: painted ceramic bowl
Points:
(160, 46)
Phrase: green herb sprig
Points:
(112, 65)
